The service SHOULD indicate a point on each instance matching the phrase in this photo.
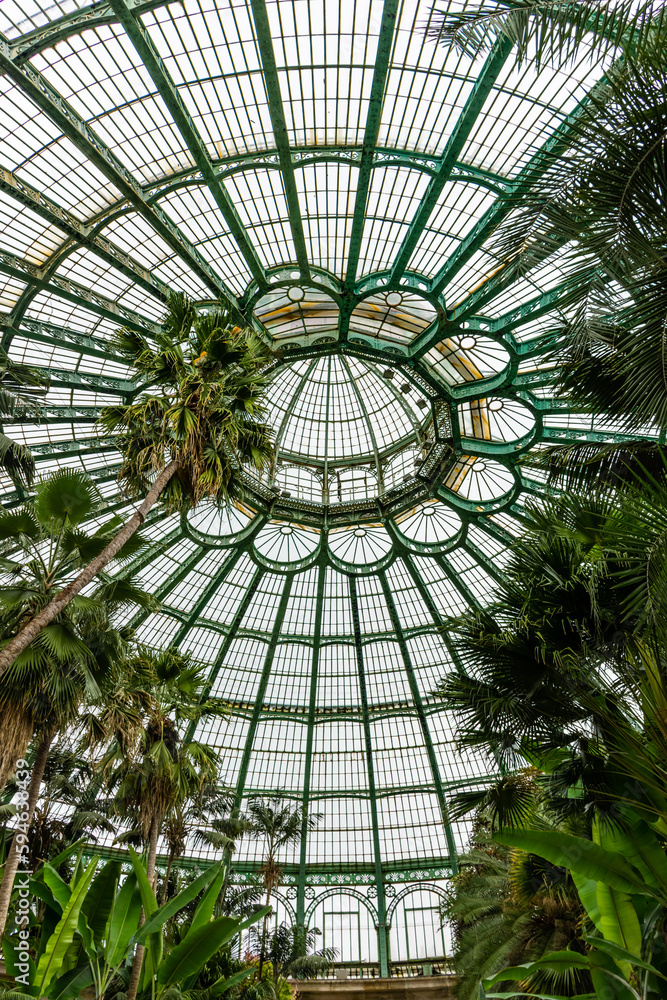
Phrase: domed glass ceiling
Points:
(335, 178)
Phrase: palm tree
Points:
(291, 951)
(153, 772)
(204, 818)
(509, 907)
(278, 823)
(546, 31)
(21, 392)
(567, 667)
(70, 663)
(184, 439)
(67, 808)
(598, 201)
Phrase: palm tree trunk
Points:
(12, 862)
(262, 950)
(163, 894)
(138, 961)
(61, 600)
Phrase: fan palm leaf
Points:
(183, 440)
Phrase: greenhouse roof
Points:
(334, 177)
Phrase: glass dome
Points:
(336, 180)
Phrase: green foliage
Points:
(507, 907)
(567, 669)
(202, 405)
(152, 770)
(593, 199)
(95, 926)
(71, 662)
(21, 392)
(544, 30)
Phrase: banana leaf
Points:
(123, 922)
(53, 958)
(161, 915)
(579, 855)
(188, 957)
(619, 923)
(70, 984)
(621, 955)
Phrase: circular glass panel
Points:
(429, 523)
(209, 519)
(360, 546)
(295, 294)
(285, 543)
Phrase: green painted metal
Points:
(494, 571)
(167, 90)
(68, 340)
(207, 593)
(81, 446)
(65, 378)
(312, 702)
(480, 91)
(168, 584)
(232, 632)
(55, 415)
(368, 150)
(383, 942)
(84, 138)
(72, 226)
(419, 708)
(289, 410)
(72, 291)
(279, 124)
(364, 410)
(320, 875)
(466, 593)
(409, 563)
(259, 697)
(533, 170)
(95, 15)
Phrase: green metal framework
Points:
(336, 180)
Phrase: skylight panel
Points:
(241, 670)
(69, 178)
(25, 234)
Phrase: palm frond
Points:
(66, 497)
(17, 460)
(598, 465)
(545, 30)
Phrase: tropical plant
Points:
(156, 773)
(92, 924)
(509, 907)
(546, 31)
(205, 819)
(67, 808)
(70, 663)
(567, 670)
(596, 199)
(187, 436)
(278, 823)
(290, 948)
(22, 390)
